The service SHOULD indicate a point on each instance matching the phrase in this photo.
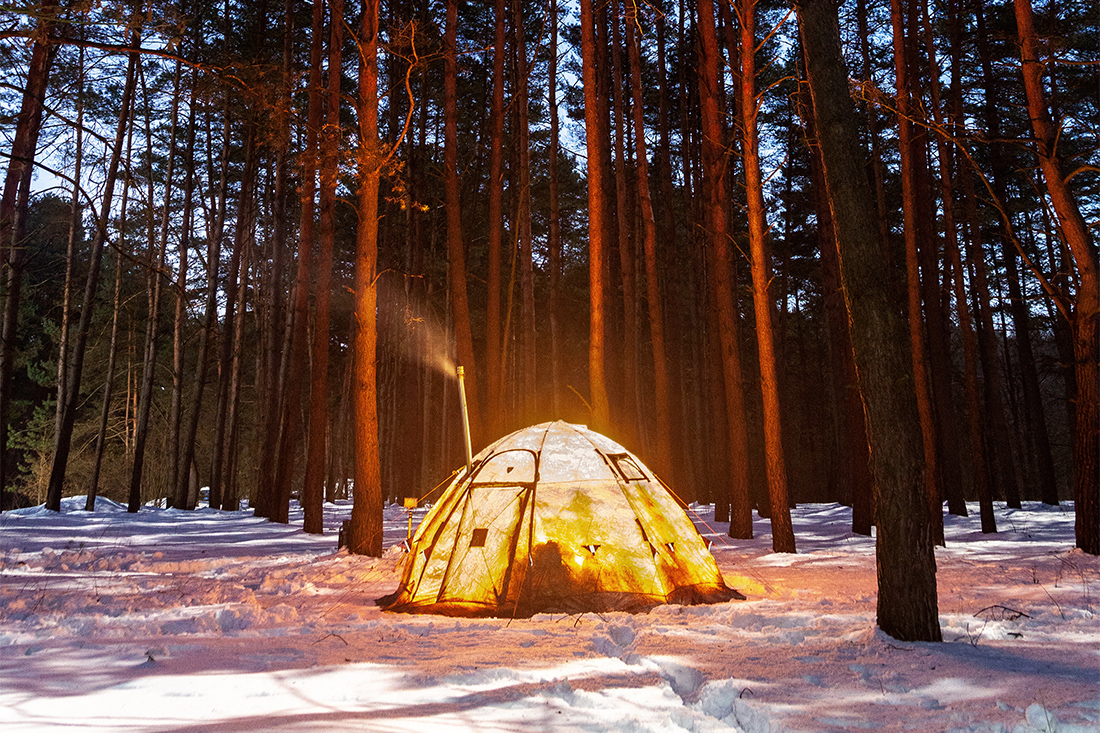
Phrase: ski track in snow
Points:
(203, 621)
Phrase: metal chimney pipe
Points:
(465, 420)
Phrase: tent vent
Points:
(671, 546)
(477, 539)
(591, 548)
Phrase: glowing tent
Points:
(555, 518)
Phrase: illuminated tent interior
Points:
(555, 518)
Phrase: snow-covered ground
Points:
(218, 621)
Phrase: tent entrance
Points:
(490, 526)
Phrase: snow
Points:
(170, 620)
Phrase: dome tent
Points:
(555, 518)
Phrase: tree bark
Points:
(996, 422)
(230, 498)
(272, 383)
(956, 499)
(867, 77)
(852, 464)
(154, 283)
(529, 402)
(175, 413)
(230, 323)
(721, 275)
(662, 410)
(904, 548)
(75, 232)
(493, 352)
(912, 231)
(313, 490)
(554, 235)
(291, 432)
(597, 225)
(365, 536)
(13, 212)
(782, 529)
(1037, 459)
(628, 412)
(92, 489)
(1086, 307)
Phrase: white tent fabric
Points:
(555, 518)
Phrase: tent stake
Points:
(465, 420)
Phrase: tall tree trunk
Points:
(627, 418)
(975, 433)
(554, 236)
(529, 403)
(721, 275)
(1038, 460)
(867, 77)
(956, 499)
(996, 423)
(183, 498)
(662, 411)
(221, 436)
(912, 230)
(852, 464)
(292, 399)
(272, 383)
(493, 353)
(92, 489)
(1059, 257)
(365, 536)
(13, 212)
(175, 413)
(230, 500)
(852, 441)
(597, 224)
(75, 233)
(154, 283)
(1086, 307)
(782, 530)
(64, 434)
(456, 250)
(935, 329)
(904, 547)
(313, 493)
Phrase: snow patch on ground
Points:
(169, 620)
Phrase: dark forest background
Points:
(175, 163)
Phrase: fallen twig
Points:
(332, 634)
(1007, 614)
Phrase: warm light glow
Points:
(420, 338)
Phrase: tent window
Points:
(477, 539)
(627, 467)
